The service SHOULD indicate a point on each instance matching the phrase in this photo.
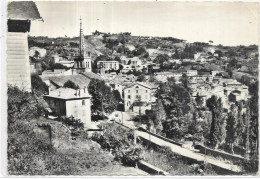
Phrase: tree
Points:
(70, 84)
(231, 127)
(117, 95)
(103, 100)
(233, 62)
(38, 84)
(176, 99)
(161, 58)
(185, 80)
(215, 106)
(141, 78)
(176, 54)
(199, 100)
(253, 120)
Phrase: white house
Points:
(69, 102)
(192, 72)
(126, 68)
(137, 94)
(108, 65)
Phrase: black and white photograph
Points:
(130, 88)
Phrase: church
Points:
(82, 62)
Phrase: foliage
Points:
(199, 100)
(31, 154)
(141, 78)
(70, 84)
(253, 121)
(57, 66)
(119, 142)
(21, 105)
(165, 159)
(161, 58)
(176, 99)
(38, 84)
(215, 106)
(103, 99)
(131, 156)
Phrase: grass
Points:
(175, 164)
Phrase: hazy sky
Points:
(227, 23)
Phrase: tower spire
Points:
(81, 41)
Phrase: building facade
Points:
(137, 93)
(108, 65)
(69, 102)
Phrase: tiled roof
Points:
(68, 93)
(23, 10)
(79, 80)
(91, 75)
(139, 83)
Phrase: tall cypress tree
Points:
(215, 106)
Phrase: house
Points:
(69, 102)
(176, 61)
(236, 95)
(136, 93)
(214, 73)
(55, 58)
(108, 65)
(163, 76)
(192, 72)
(126, 68)
(135, 62)
(20, 14)
(200, 57)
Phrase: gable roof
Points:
(138, 83)
(67, 93)
(91, 75)
(23, 10)
(79, 80)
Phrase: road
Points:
(188, 153)
(175, 148)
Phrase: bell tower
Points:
(82, 63)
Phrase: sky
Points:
(226, 23)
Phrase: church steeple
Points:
(81, 41)
(82, 63)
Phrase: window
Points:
(128, 91)
(136, 91)
(129, 96)
(83, 102)
(146, 91)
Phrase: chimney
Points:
(78, 92)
